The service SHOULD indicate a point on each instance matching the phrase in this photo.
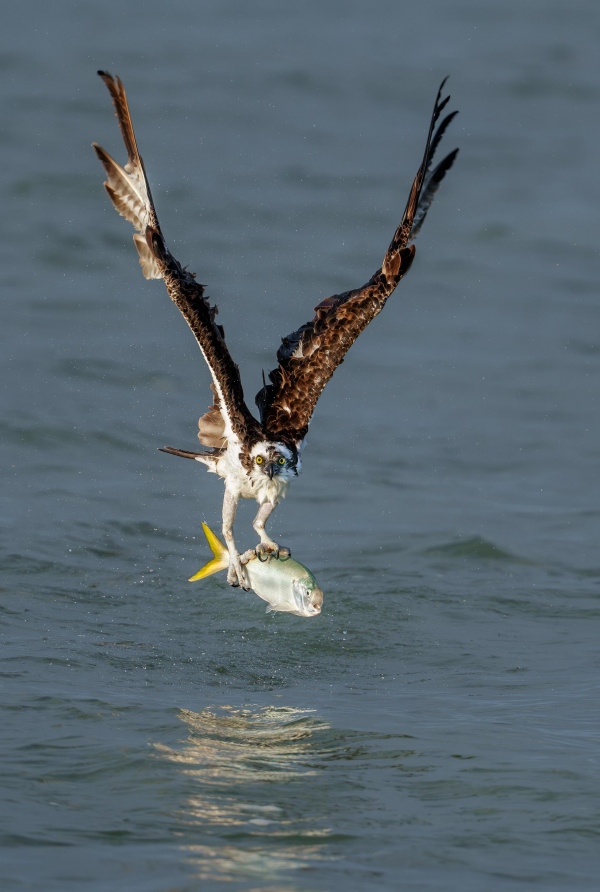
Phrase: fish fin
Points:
(220, 560)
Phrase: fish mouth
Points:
(316, 600)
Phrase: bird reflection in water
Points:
(253, 809)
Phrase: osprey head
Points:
(270, 460)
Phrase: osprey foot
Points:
(265, 549)
(247, 556)
(236, 575)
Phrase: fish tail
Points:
(220, 560)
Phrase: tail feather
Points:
(184, 453)
(213, 455)
(219, 562)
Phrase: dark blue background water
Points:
(437, 728)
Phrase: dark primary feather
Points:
(130, 193)
(309, 356)
(429, 190)
(437, 138)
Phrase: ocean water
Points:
(437, 727)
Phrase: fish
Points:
(286, 585)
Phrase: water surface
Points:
(437, 727)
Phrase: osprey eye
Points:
(282, 461)
(259, 459)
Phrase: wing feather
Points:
(130, 193)
(309, 356)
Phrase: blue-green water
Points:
(437, 728)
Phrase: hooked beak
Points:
(270, 469)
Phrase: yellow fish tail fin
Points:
(220, 560)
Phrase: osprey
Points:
(258, 459)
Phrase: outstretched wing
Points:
(308, 357)
(130, 193)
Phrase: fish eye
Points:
(259, 459)
(282, 460)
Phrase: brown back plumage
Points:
(309, 356)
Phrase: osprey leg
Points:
(236, 575)
(267, 546)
